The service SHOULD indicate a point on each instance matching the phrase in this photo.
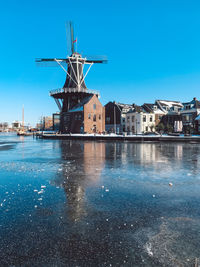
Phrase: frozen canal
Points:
(82, 203)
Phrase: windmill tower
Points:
(74, 89)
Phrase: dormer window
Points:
(166, 108)
(187, 107)
(155, 107)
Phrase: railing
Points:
(73, 90)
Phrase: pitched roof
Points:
(170, 103)
(79, 106)
(194, 102)
(149, 107)
(137, 109)
(122, 106)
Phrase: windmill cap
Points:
(75, 54)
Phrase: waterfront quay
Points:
(97, 203)
(115, 137)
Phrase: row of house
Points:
(90, 116)
(173, 115)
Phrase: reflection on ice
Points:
(99, 204)
(80, 170)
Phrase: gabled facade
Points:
(115, 116)
(139, 121)
(86, 117)
(154, 108)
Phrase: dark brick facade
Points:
(87, 117)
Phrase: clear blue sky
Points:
(153, 48)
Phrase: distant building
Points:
(47, 123)
(3, 126)
(138, 121)
(86, 117)
(115, 117)
(39, 126)
(189, 113)
(16, 125)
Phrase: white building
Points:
(139, 121)
(16, 125)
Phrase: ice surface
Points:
(57, 205)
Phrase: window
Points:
(89, 116)
(133, 118)
(150, 119)
(166, 108)
(94, 106)
(123, 120)
(108, 119)
(128, 128)
(187, 107)
(133, 129)
(79, 117)
(187, 117)
(144, 118)
(146, 128)
(94, 117)
(99, 116)
(127, 118)
(67, 118)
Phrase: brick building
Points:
(115, 120)
(86, 117)
(47, 123)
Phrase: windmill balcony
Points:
(73, 90)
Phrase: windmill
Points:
(74, 89)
